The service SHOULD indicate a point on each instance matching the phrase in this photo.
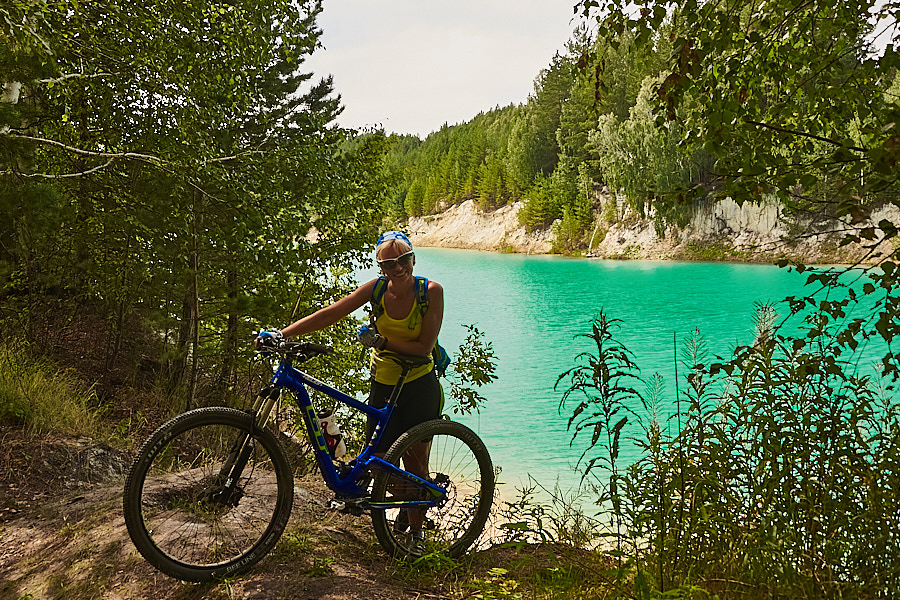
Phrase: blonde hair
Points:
(400, 245)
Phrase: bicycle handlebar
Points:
(299, 351)
(304, 351)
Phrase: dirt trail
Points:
(71, 543)
(75, 546)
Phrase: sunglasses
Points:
(403, 260)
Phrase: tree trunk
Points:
(195, 302)
(185, 334)
(228, 354)
(195, 342)
(9, 93)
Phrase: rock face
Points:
(722, 230)
(731, 229)
(466, 226)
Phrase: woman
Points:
(402, 328)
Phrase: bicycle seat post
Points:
(398, 387)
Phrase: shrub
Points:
(782, 477)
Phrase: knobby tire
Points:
(458, 460)
(181, 515)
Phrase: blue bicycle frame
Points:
(345, 482)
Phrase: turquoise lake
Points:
(532, 308)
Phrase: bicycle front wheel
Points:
(458, 461)
(208, 495)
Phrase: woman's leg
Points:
(420, 400)
(423, 404)
(416, 462)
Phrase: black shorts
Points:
(420, 400)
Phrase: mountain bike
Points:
(211, 490)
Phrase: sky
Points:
(409, 66)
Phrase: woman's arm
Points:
(331, 314)
(431, 326)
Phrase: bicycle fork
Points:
(242, 448)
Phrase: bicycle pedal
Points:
(352, 506)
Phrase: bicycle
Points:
(211, 490)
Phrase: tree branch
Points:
(804, 134)
(68, 175)
(232, 157)
(75, 76)
(113, 155)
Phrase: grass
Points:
(536, 571)
(294, 543)
(45, 399)
(766, 489)
(540, 556)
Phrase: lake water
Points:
(531, 308)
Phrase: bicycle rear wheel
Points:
(208, 495)
(458, 461)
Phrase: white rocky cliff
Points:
(716, 231)
(465, 226)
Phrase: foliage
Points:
(547, 200)
(785, 95)
(775, 480)
(531, 152)
(466, 161)
(496, 585)
(639, 158)
(538, 153)
(174, 163)
(559, 519)
(473, 364)
(670, 102)
(43, 398)
(571, 230)
(602, 387)
(780, 476)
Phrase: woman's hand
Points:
(370, 338)
(268, 340)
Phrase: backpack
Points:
(438, 354)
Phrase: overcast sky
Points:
(410, 66)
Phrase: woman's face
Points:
(396, 261)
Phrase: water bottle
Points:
(332, 433)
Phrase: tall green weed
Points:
(557, 519)
(777, 475)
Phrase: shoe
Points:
(352, 505)
(417, 543)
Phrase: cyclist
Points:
(401, 328)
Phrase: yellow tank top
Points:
(385, 370)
